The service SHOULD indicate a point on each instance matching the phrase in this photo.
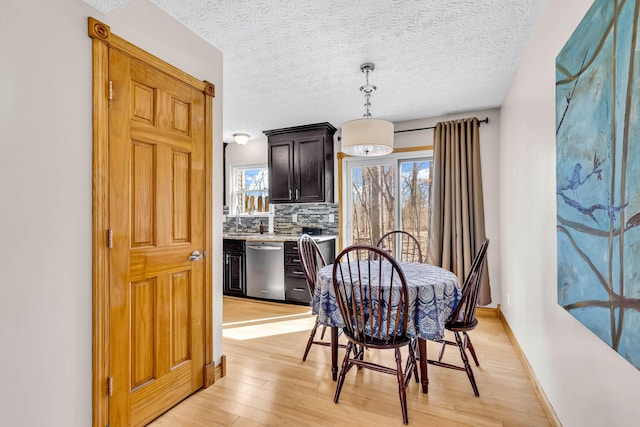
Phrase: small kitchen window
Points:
(251, 189)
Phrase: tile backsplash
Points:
(307, 215)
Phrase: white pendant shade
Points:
(367, 137)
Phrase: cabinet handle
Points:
(290, 196)
(226, 258)
(298, 289)
(297, 194)
(298, 272)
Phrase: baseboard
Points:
(213, 373)
(221, 369)
(552, 417)
(209, 375)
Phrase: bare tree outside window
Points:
(415, 208)
(252, 189)
(373, 202)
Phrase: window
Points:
(251, 189)
(372, 200)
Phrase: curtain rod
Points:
(486, 120)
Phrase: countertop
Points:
(256, 237)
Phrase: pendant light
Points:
(367, 137)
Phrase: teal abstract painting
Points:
(598, 174)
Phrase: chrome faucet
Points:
(237, 218)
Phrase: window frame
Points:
(395, 159)
(235, 191)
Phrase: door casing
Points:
(102, 41)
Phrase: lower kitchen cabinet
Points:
(295, 282)
(234, 267)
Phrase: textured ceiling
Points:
(294, 62)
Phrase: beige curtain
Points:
(457, 229)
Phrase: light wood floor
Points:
(267, 384)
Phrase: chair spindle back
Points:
(407, 245)
(371, 293)
(311, 259)
(465, 312)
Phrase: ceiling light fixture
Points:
(367, 136)
(241, 138)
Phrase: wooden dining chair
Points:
(372, 296)
(463, 318)
(408, 246)
(312, 260)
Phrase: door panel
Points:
(280, 167)
(309, 159)
(157, 209)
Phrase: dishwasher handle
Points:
(265, 248)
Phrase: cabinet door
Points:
(308, 168)
(280, 168)
(234, 273)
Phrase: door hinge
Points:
(110, 385)
(110, 90)
(110, 238)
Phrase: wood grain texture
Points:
(100, 225)
(150, 181)
(268, 384)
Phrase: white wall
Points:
(587, 383)
(45, 188)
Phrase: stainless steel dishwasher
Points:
(265, 270)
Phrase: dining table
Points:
(433, 295)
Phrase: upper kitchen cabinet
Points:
(301, 164)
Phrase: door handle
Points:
(195, 256)
(265, 248)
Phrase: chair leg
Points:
(358, 353)
(441, 354)
(324, 329)
(413, 346)
(467, 344)
(412, 364)
(401, 386)
(467, 366)
(312, 335)
(343, 371)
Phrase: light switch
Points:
(331, 218)
(294, 217)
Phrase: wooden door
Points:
(157, 214)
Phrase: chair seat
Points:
(461, 326)
(372, 342)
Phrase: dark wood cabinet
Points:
(296, 289)
(234, 267)
(301, 164)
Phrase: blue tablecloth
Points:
(433, 294)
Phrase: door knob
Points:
(195, 256)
